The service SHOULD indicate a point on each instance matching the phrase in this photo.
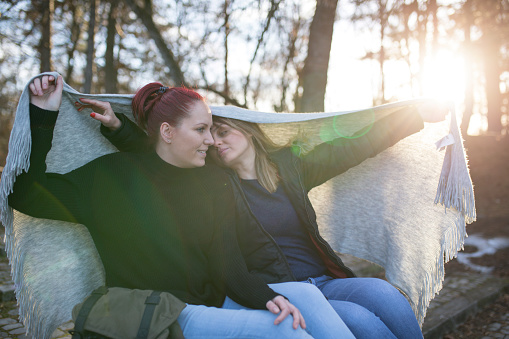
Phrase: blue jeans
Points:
(236, 321)
(370, 307)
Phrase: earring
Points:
(168, 141)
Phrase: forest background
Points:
(293, 55)
(271, 55)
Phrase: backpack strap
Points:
(150, 305)
(89, 303)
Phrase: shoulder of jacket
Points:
(287, 154)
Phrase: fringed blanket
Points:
(405, 209)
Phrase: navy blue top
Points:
(278, 217)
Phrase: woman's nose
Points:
(217, 142)
(208, 139)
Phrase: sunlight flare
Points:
(444, 76)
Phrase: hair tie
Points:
(162, 90)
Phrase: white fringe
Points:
(18, 161)
(452, 243)
(455, 189)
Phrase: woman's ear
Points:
(167, 132)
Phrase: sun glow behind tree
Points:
(195, 32)
(432, 63)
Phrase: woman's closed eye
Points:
(222, 132)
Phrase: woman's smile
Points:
(221, 151)
(203, 152)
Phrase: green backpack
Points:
(121, 313)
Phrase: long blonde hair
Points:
(266, 170)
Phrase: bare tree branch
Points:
(291, 53)
(270, 15)
(87, 86)
(228, 99)
(46, 8)
(226, 27)
(110, 66)
(314, 73)
(75, 35)
(144, 14)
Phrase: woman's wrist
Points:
(116, 124)
(40, 117)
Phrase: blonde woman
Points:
(279, 235)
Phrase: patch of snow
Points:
(484, 247)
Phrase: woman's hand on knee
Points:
(102, 112)
(46, 92)
(280, 305)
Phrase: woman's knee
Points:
(383, 288)
(308, 289)
(352, 313)
(362, 322)
(384, 299)
(298, 289)
(384, 284)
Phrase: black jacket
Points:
(298, 175)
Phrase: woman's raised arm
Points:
(102, 112)
(124, 134)
(37, 193)
(332, 158)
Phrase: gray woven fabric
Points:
(404, 209)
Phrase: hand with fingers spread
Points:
(46, 92)
(101, 111)
(280, 305)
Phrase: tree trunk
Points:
(314, 73)
(469, 70)
(45, 42)
(492, 75)
(407, 12)
(146, 18)
(289, 57)
(110, 66)
(75, 35)
(226, 34)
(382, 16)
(274, 5)
(87, 87)
(433, 10)
(421, 37)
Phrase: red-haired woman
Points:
(162, 221)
